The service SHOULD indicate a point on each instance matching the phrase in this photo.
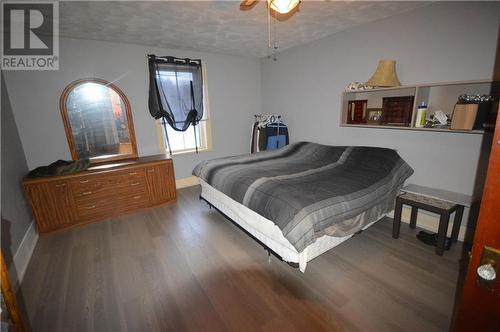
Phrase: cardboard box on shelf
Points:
(464, 116)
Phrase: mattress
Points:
(267, 232)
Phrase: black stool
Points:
(443, 208)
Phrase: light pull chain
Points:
(268, 26)
(275, 40)
(272, 40)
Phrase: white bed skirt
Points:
(267, 232)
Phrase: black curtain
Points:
(175, 91)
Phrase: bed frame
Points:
(269, 250)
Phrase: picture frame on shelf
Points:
(397, 111)
(374, 116)
(356, 113)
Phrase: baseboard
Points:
(186, 182)
(429, 222)
(23, 255)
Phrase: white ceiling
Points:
(216, 26)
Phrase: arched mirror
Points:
(98, 121)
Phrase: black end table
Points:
(441, 207)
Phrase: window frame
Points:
(204, 125)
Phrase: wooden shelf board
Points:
(402, 87)
(478, 132)
(422, 85)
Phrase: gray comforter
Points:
(309, 189)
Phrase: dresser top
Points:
(105, 167)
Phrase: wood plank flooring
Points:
(184, 267)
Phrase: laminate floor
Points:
(184, 267)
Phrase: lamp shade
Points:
(385, 75)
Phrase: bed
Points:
(306, 198)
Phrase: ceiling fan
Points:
(280, 9)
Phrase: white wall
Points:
(16, 214)
(441, 42)
(234, 87)
(438, 43)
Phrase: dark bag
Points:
(60, 167)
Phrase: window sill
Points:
(193, 151)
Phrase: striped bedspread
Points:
(309, 189)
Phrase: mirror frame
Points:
(67, 126)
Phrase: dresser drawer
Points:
(109, 184)
(133, 201)
(94, 208)
(134, 173)
(95, 205)
(130, 187)
(93, 183)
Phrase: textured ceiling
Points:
(216, 26)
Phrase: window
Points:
(184, 142)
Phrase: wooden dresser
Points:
(100, 192)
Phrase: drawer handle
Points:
(87, 193)
(90, 207)
(61, 185)
(133, 173)
(135, 183)
(84, 181)
(137, 197)
(151, 170)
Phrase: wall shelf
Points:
(442, 130)
(438, 96)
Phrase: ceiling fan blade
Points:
(287, 16)
(248, 4)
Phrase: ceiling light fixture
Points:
(283, 6)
